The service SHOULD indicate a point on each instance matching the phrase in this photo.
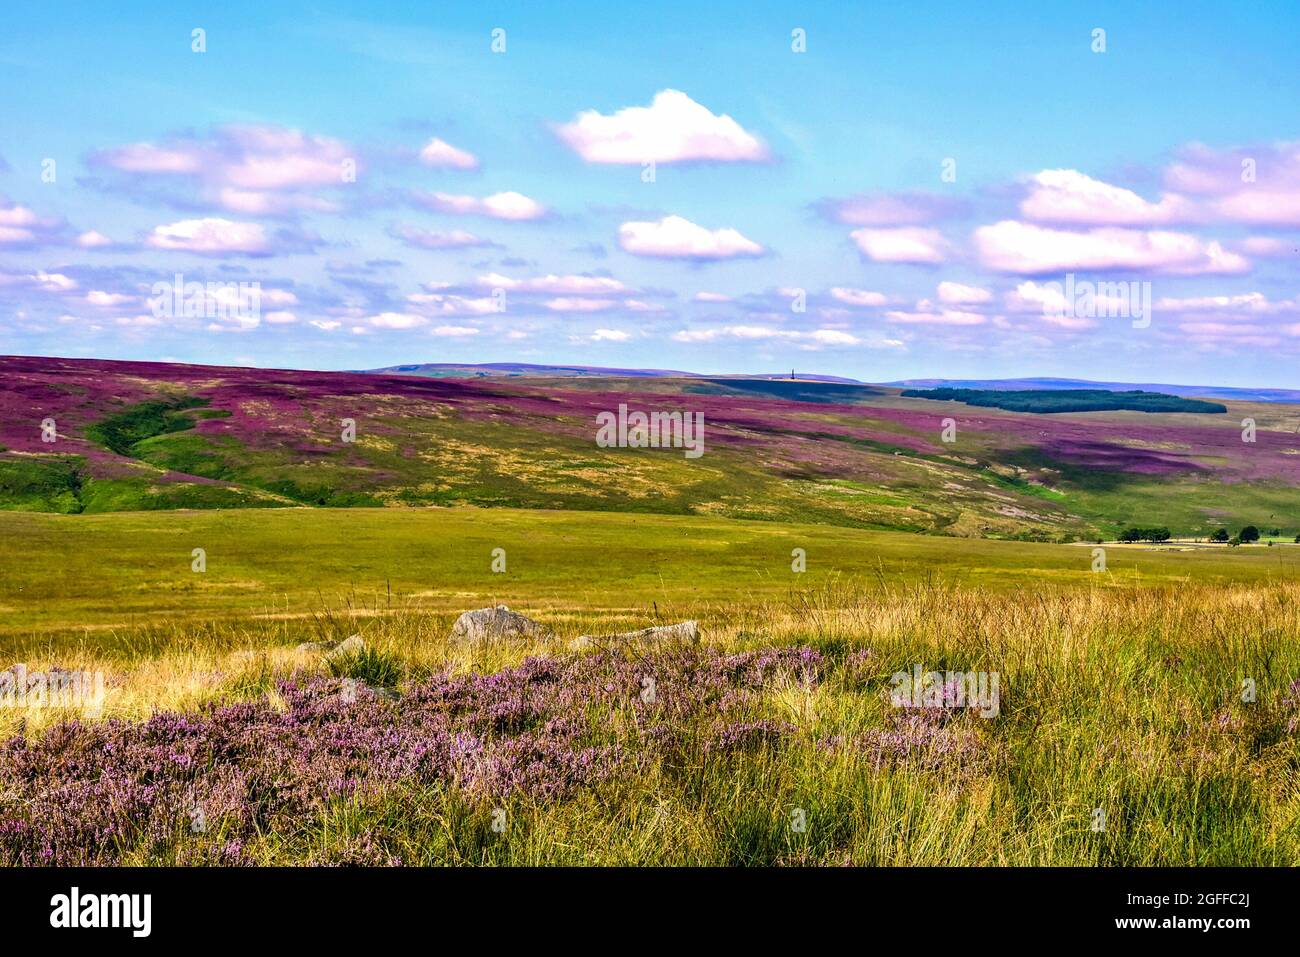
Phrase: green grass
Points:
(42, 484)
(1120, 691)
(121, 431)
(92, 571)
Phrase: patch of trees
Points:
(1067, 400)
(1134, 534)
(1248, 534)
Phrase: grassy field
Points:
(1122, 735)
(94, 572)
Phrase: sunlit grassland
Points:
(1120, 691)
(89, 573)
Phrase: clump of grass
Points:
(376, 667)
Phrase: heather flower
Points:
(91, 794)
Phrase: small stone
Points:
(487, 624)
(353, 645)
(684, 631)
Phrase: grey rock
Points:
(353, 645)
(490, 624)
(684, 631)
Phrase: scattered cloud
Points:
(811, 339)
(858, 297)
(427, 239)
(512, 206)
(1067, 196)
(579, 305)
(674, 237)
(913, 245)
(93, 240)
(553, 285)
(440, 154)
(672, 129)
(211, 237)
(926, 314)
(1254, 185)
(1015, 247)
(20, 227)
(956, 293)
(254, 169)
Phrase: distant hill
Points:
(460, 370)
(1199, 391)
(468, 370)
(130, 436)
(484, 369)
(1041, 401)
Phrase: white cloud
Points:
(804, 339)
(902, 244)
(426, 239)
(1257, 185)
(511, 206)
(1015, 247)
(210, 236)
(446, 304)
(255, 169)
(674, 237)
(97, 297)
(396, 320)
(956, 293)
(93, 240)
(858, 297)
(672, 129)
(442, 155)
(1047, 302)
(610, 335)
(942, 317)
(553, 285)
(1068, 196)
(253, 202)
(571, 304)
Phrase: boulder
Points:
(684, 631)
(353, 645)
(491, 624)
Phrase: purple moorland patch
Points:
(87, 794)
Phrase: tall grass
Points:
(1138, 726)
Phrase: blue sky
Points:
(798, 214)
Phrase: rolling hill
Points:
(139, 436)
